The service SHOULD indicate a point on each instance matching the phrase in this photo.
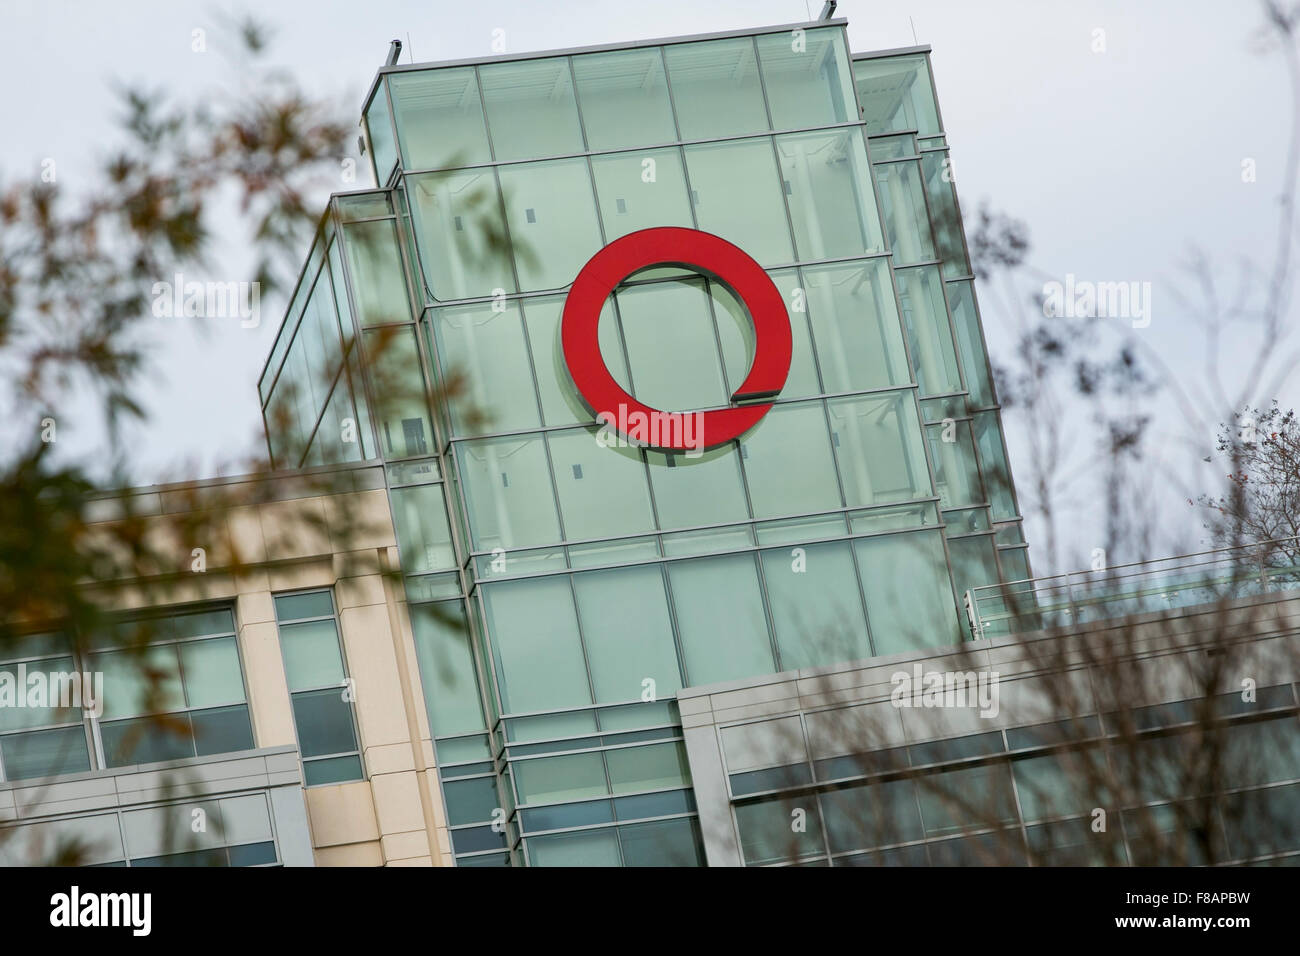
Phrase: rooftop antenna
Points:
(410, 50)
(828, 10)
(913, 23)
(394, 51)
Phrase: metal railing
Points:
(1165, 584)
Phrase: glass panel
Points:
(553, 779)
(902, 203)
(439, 118)
(534, 632)
(716, 88)
(292, 607)
(583, 848)
(551, 211)
(944, 214)
(891, 147)
(446, 667)
(128, 688)
(974, 362)
(531, 110)
(973, 562)
(640, 190)
(317, 773)
(713, 598)
(1015, 564)
(311, 655)
(222, 730)
(402, 407)
(507, 485)
(561, 403)
(698, 491)
(673, 348)
(910, 602)
(460, 231)
(878, 445)
(628, 633)
(926, 319)
(737, 194)
(484, 344)
(896, 94)
(662, 843)
(144, 740)
(855, 324)
(735, 332)
(375, 263)
(44, 753)
(324, 722)
(17, 695)
(993, 462)
(862, 817)
(790, 433)
(624, 99)
(212, 672)
(778, 829)
(470, 801)
(648, 768)
(603, 491)
(813, 591)
(807, 78)
(379, 126)
(832, 205)
(423, 536)
(955, 474)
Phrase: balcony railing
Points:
(1083, 597)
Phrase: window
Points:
(439, 118)
(832, 206)
(878, 446)
(508, 492)
(379, 126)
(485, 344)
(447, 673)
(720, 617)
(716, 88)
(551, 211)
(534, 631)
(319, 688)
(737, 195)
(641, 189)
(896, 95)
(807, 78)
(909, 593)
(855, 323)
(945, 217)
(813, 590)
(186, 667)
(378, 280)
(37, 737)
(624, 99)
(672, 345)
(402, 406)
(530, 108)
(461, 235)
(902, 204)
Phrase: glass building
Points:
(563, 592)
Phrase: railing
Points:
(1082, 597)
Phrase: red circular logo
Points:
(716, 258)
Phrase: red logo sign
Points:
(704, 253)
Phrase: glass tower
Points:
(561, 591)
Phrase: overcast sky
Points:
(1119, 161)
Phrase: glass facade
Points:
(1012, 796)
(172, 687)
(562, 591)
